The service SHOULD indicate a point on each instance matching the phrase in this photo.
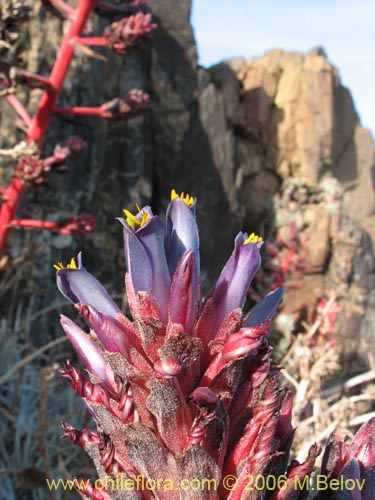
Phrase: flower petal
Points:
(265, 309)
(146, 261)
(79, 286)
(182, 233)
(137, 262)
(234, 281)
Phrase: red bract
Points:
(130, 33)
(81, 224)
(31, 170)
(89, 491)
(126, 106)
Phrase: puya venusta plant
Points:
(186, 399)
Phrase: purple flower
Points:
(183, 389)
(231, 288)
(265, 309)
(182, 230)
(79, 286)
(145, 258)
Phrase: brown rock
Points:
(304, 124)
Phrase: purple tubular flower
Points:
(89, 353)
(265, 309)
(182, 232)
(145, 259)
(231, 288)
(184, 298)
(79, 286)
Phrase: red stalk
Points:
(33, 223)
(77, 110)
(59, 71)
(82, 224)
(93, 40)
(19, 108)
(44, 113)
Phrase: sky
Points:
(226, 29)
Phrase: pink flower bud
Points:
(126, 106)
(129, 33)
(81, 224)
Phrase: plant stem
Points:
(19, 108)
(93, 40)
(33, 223)
(77, 110)
(59, 71)
(44, 113)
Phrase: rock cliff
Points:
(297, 120)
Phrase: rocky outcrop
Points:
(294, 118)
(337, 261)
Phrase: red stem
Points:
(93, 40)
(77, 110)
(33, 223)
(19, 108)
(43, 115)
(59, 71)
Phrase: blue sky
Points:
(345, 28)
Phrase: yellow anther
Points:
(189, 200)
(72, 265)
(133, 221)
(253, 238)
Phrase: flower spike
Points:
(185, 391)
